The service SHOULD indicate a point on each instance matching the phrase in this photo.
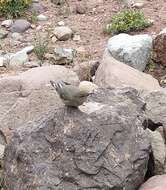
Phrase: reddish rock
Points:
(159, 48)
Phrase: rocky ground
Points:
(117, 138)
(87, 20)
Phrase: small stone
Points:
(7, 23)
(80, 8)
(38, 28)
(42, 17)
(37, 7)
(76, 37)
(54, 39)
(138, 5)
(20, 26)
(87, 86)
(16, 36)
(61, 23)
(64, 55)
(31, 64)
(63, 33)
(2, 61)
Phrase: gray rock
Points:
(37, 8)
(63, 56)
(63, 32)
(18, 59)
(104, 147)
(20, 26)
(158, 150)
(134, 50)
(3, 33)
(16, 36)
(113, 73)
(156, 107)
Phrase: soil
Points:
(90, 28)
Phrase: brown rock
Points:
(159, 47)
(86, 70)
(155, 183)
(80, 8)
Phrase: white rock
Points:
(134, 50)
(54, 39)
(7, 23)
(61, 23)
(76, 37)
(87, 86)
(28, 49)
(42, 17)
(138, 5)
(2, 149)
(2, 60)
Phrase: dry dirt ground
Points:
(89, 26)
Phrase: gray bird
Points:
(70, 95)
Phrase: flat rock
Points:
(134, 50)
(113, 73)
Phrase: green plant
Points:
(126, 21)
(13, 8)
(33, 17)
(41, 47)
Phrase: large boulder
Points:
(155, 183)
(113, 73)
(101, 145)
(25, 97)
(134, 50)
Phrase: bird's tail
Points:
(58, 85)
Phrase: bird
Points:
(71, 95)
